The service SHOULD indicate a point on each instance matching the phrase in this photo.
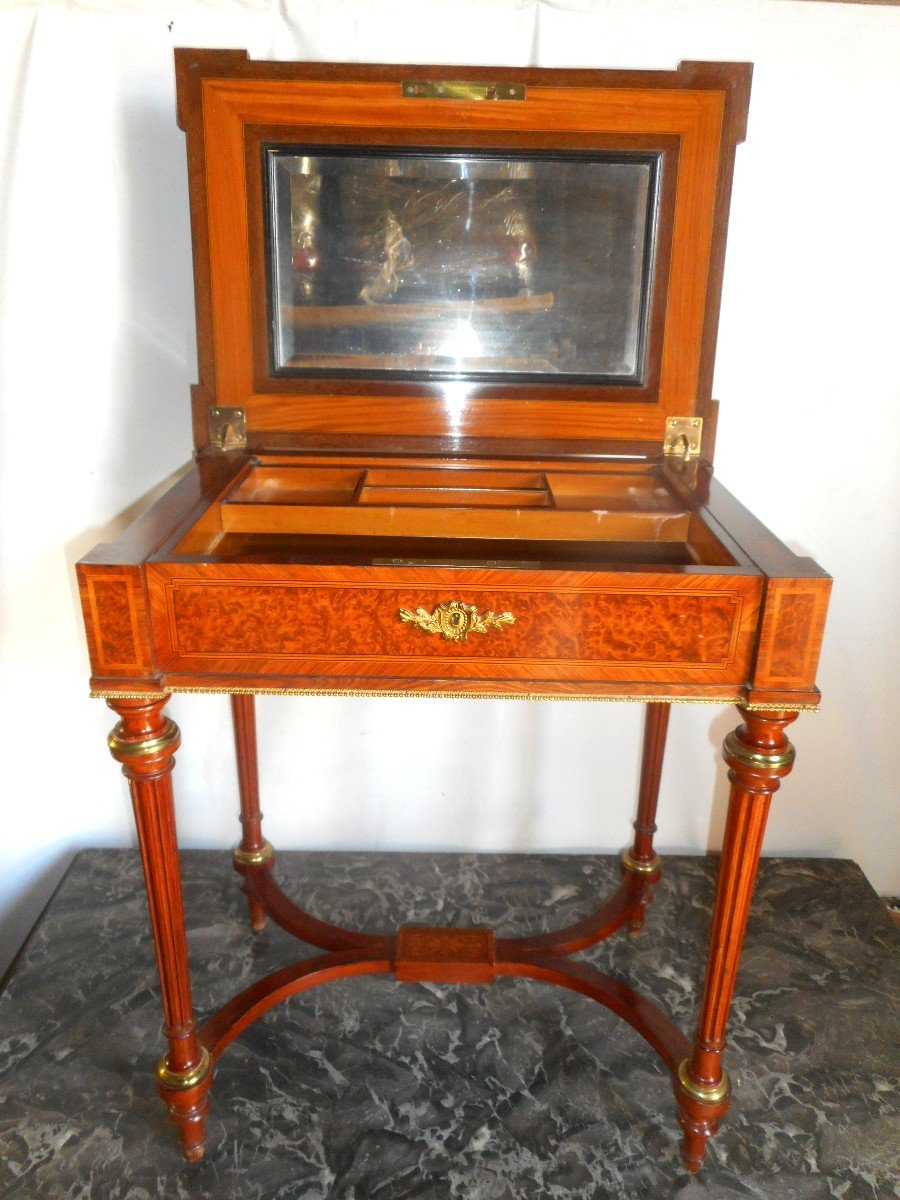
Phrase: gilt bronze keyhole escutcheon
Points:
(455, 621)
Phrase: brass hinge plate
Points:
(227, 428)
(683, 437)
(451, 89)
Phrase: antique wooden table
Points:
(454, 437)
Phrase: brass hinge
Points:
(683, 437)
(227, 428)
(448, 89)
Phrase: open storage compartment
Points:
(454, 512)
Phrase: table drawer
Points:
(568, 626)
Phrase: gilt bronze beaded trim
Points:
(411, 693)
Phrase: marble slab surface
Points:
(368, 1089)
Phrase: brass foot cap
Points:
(640, 866)
(704, 1095)
(181, 1081)
(254, 858)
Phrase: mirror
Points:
(448, 266)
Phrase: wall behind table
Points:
(98, 356)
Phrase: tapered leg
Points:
(253, 849)
(758, 754)
(641, 860)
(144, 742)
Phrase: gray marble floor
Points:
(365, 1089)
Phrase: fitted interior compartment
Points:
(296, 485)
(467, 502)
(449, 488)
(357, 512)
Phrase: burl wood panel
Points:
(115, 618)
(791, 633)
(345, 621)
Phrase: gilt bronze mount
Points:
(455, 621)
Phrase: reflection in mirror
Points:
(444, 266)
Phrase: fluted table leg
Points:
(144, 742)
(758, 754)
(253, 849)
(641, 861)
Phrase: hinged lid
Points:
(474, 260)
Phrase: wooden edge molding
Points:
(194, 64)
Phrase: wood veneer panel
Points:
(116, 620)
(791, 631)
(307, 621)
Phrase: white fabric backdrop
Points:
(98, 355)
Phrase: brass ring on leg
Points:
(122, 748)
(703, 1095)
(639, 866)
(254, 858)
(775, 760)
(181, 1081)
